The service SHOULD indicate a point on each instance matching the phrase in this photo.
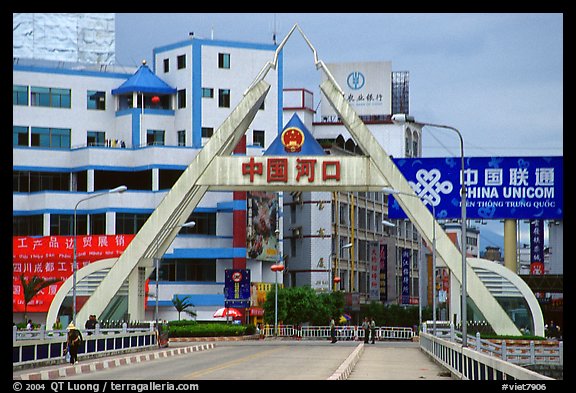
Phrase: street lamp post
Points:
(278, 267)
(190, 224)
(392, 191)
(119, 189)
(347, 247)
(402, 119)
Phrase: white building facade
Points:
(78, 130)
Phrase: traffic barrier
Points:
(343, 333)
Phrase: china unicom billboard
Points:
(496, 187)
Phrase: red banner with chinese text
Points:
(52, 257)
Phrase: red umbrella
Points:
(227, 312)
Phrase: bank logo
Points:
(355, 80)
(429, 187)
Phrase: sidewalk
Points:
(90, 365)
(400, 361)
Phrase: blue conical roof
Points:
(144, 81)
(310, 146)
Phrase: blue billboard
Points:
(496, 187)
(237, 288)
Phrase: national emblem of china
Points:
(292, 138)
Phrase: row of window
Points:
(60, 138)
(95, 224)
(223, 62)
(41, 137)
(52, 97)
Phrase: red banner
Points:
(52, 257)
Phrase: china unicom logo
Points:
(429, 187)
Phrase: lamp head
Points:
(402, 118)
(119, 189)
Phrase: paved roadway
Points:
(291, 360)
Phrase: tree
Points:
(297, 305)
(32, 287)
(182, 304)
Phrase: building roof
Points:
(144, 81)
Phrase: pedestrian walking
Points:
(73, 342)
(333, 330)
(366, 328)
(372, 329)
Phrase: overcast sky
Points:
(498, 78)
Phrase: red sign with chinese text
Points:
(52, 257)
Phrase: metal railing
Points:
(47, 346)
(486, 359)
(343, 333)
(521, 352)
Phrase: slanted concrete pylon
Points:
(162, 226)
(417, 211)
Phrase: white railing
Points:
(47, 346)
(343, 333)
(467, 363)
(521, 352)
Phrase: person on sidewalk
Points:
(366, 328)
(73, 342)
(372, 329)
(333, 330)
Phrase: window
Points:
(207, 132)
(408, 143)
(155, 137)
(415, 144)
(181, 98)
(40, 96)
(181, 62)
(19, 136)
(19, 95)
(224, 60)
(205, 224)
(28, 181)
(166, 65)
(28, 225)
(207, 92)
(50, 97)
(188, 270)
(224, 98)
(258, 138)
(95, 138)
(182, 138)
(96, 100)
(50, 137)
(130, 223)
(63, 224)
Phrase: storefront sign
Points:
(237, 288)
(374, 290)
(405, 285)
(537, 247)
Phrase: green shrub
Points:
(207, 329)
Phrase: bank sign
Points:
(496, 187)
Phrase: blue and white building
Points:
(79, 129)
